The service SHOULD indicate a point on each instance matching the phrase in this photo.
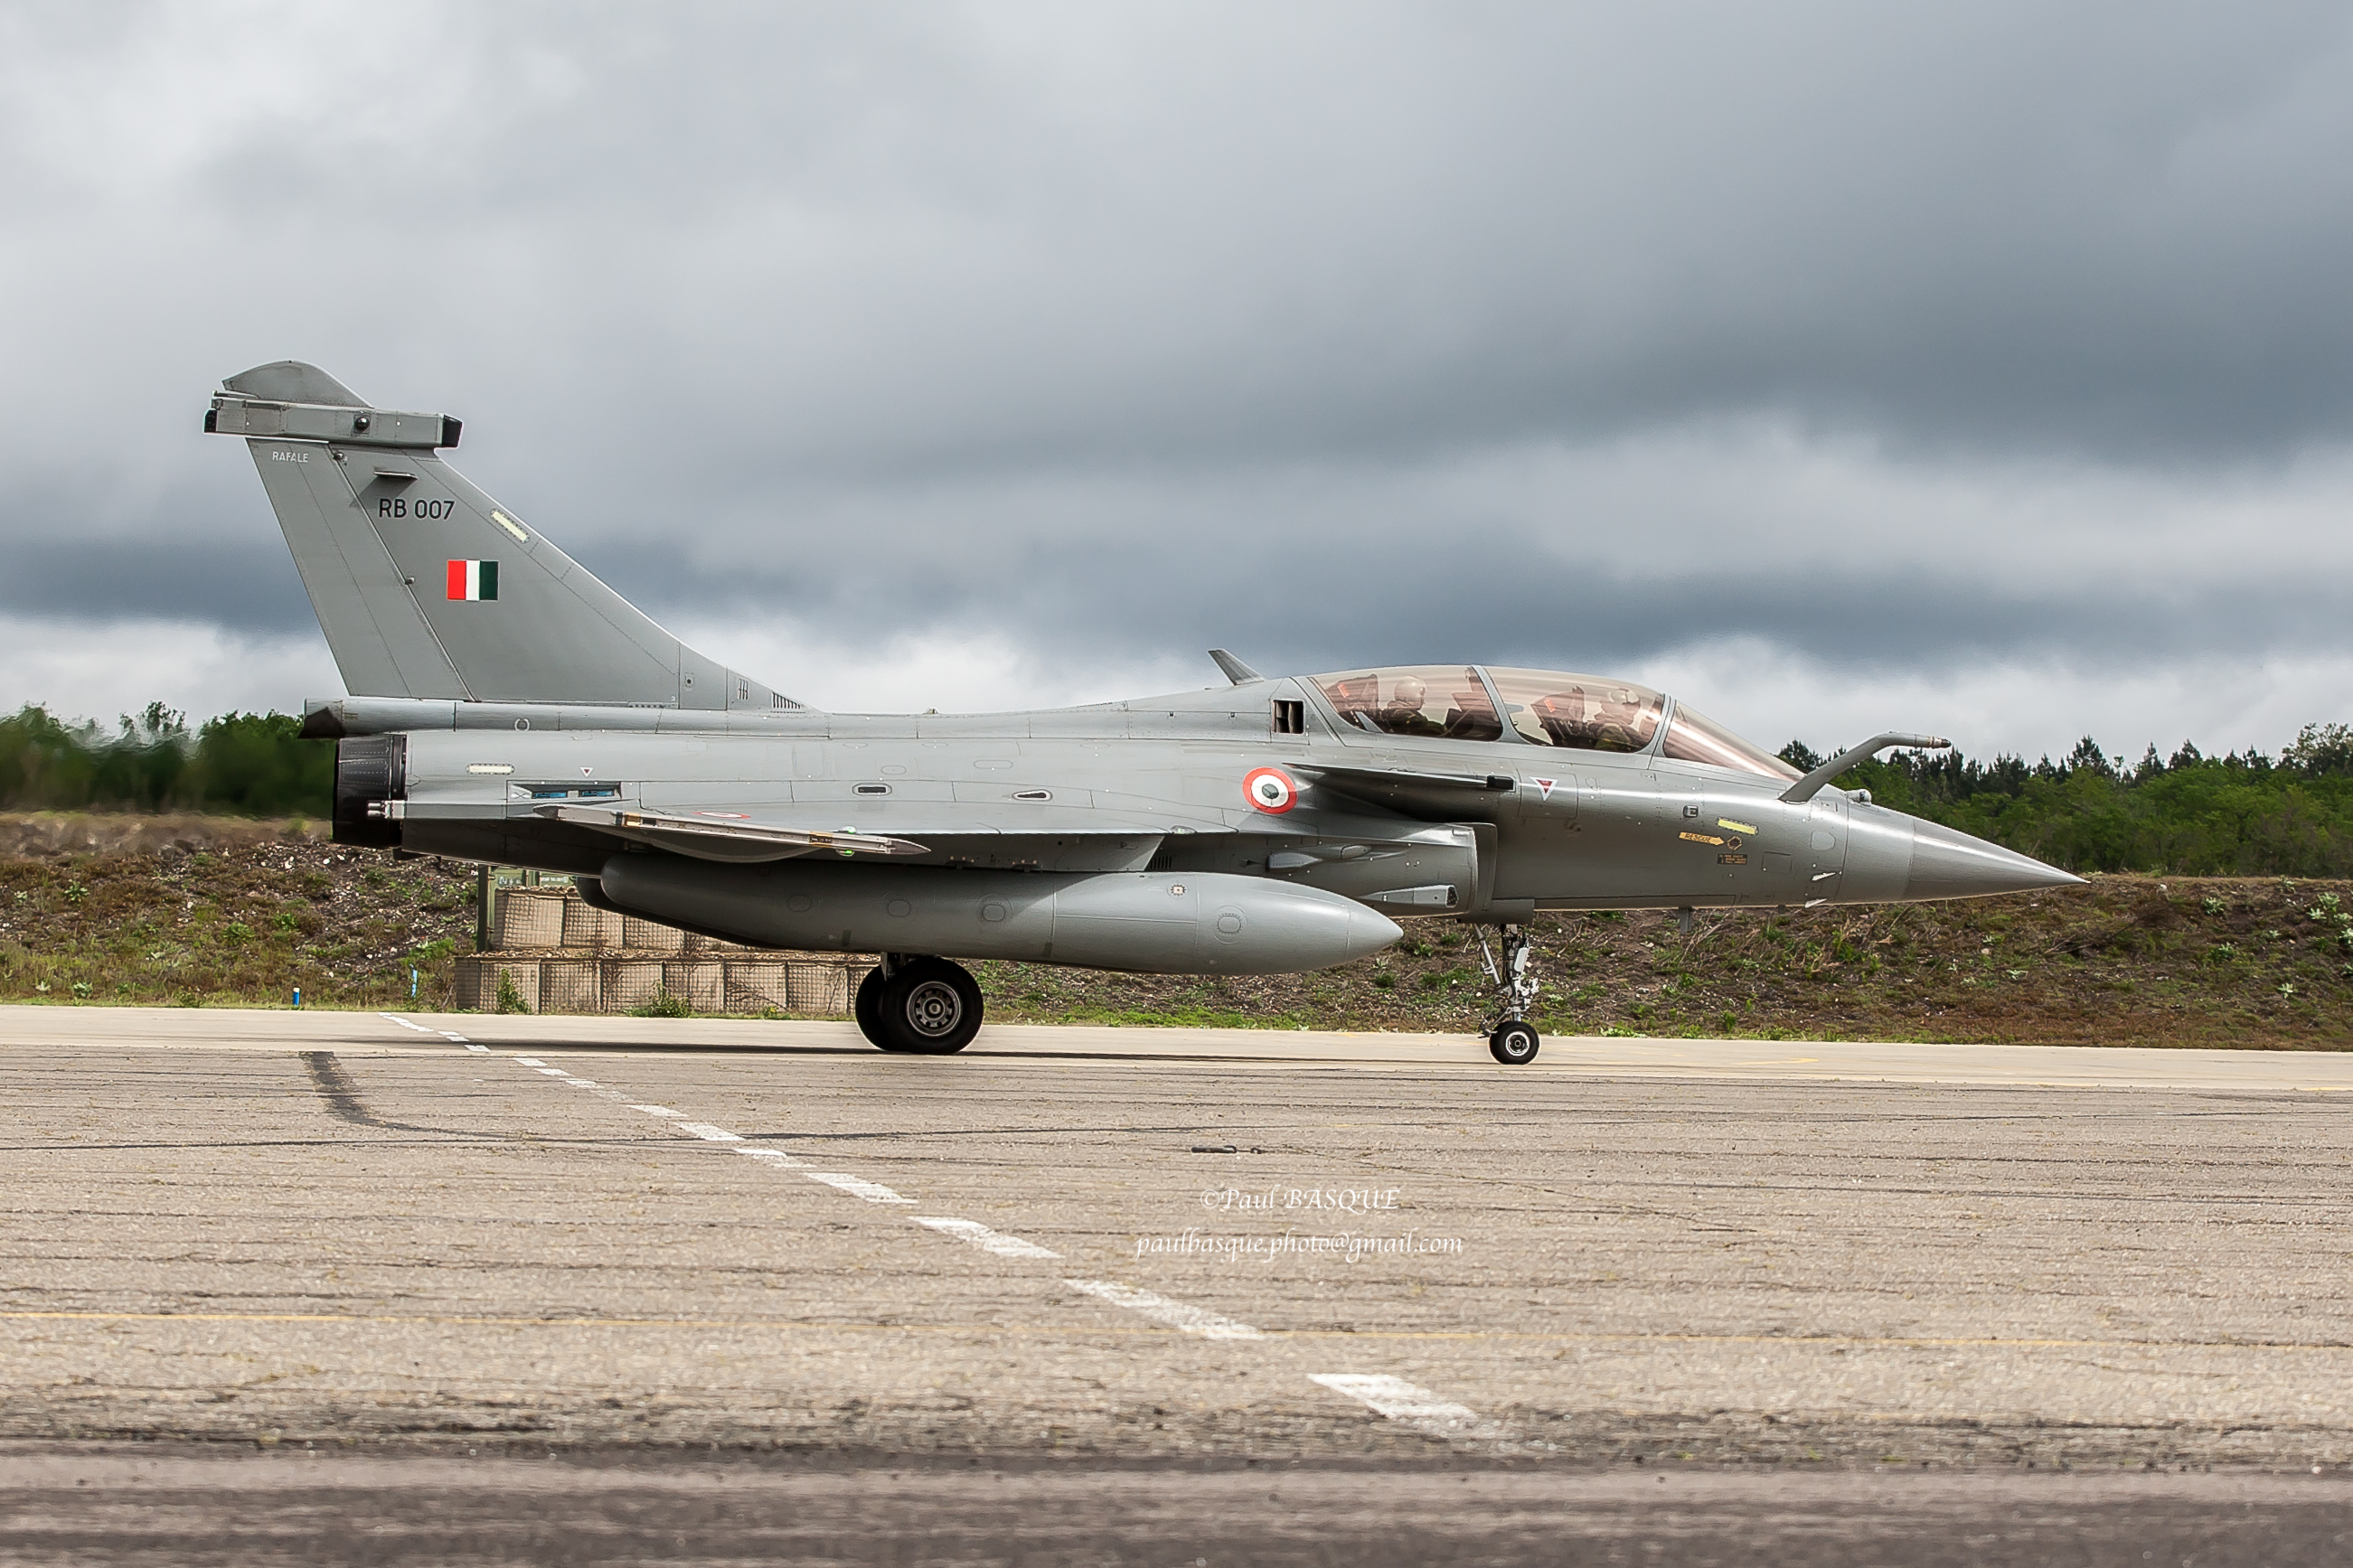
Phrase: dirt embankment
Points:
(192, 909)
(2262, 963)
(48, 834)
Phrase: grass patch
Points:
(660, 1005)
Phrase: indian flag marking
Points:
(473, 579)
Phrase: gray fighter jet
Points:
(507, 708)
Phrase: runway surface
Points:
(503, 1237)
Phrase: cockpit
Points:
(1540, 707)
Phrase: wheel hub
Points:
(934, 1009)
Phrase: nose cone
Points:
(1949, 865)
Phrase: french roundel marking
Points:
(1270, 790)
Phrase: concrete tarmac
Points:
(1372, 1254)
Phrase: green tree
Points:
(257, 764)
(244, 765)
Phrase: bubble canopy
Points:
(1541, 707)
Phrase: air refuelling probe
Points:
(507, 706)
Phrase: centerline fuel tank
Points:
(1152, 922)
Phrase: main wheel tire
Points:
(1514, 1042)
(868, 1010)
(930, 1007)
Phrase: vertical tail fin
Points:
(426, 587)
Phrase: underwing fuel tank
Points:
(1152, 922)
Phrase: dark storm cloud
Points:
(1316, 603)
(2116, 230)
(252, 587)
(1091, 327)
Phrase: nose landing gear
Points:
(926, 1006)
(1513, 1040)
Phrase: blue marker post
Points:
(298, 996)
(412, 986)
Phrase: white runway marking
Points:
(1401, 1401)
(428, 1029)
(857, 1188)
(1175, 1314)
(1392, 1397)
(980, 1236)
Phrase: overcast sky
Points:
(1985, 369)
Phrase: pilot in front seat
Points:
(1403, 715)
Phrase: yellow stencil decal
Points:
(1701, 838)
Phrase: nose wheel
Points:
(1513, 1040)
(926, 1006)
(1514, 1043)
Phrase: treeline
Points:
(239, 764)
(2189, 814)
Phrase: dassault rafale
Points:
(507, 708)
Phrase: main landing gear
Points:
(1513, 1040)
(927, 1006)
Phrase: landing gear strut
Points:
(1513, 1040)
(925, 1005)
